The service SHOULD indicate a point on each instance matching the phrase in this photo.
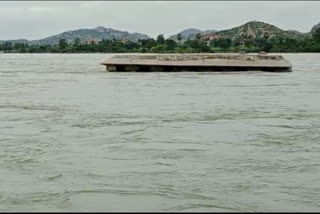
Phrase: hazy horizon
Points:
(37, 20)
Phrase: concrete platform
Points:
(197, 62)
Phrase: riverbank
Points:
(157, 53)
(168, 46)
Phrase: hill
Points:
(315, 29)
(250, 37)
(191, 33)
(86, 35)
(254, 30)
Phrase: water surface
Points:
(76, 138)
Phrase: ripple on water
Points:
(76, 138)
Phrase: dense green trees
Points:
(198, 45)
(222, 43)
(160, 40)
(263, 44)
(63, 44)
(162, 45)
(179, 37)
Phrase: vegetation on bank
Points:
(162, 45)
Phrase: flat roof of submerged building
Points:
(223, 60)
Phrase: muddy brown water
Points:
(75, 138)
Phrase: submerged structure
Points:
(197, 62)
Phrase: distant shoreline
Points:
(164, 53)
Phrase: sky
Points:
(36, 20)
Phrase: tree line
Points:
(162, 45)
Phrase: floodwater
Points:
(76, 138)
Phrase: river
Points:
(76, 138)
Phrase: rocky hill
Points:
(255, 30)
(247, 32)
(15, 41)
(316, 29)
(191, 33)
(96, 34)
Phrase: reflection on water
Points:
(75, 138)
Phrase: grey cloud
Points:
(35, 20)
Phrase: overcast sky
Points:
(35, 20)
